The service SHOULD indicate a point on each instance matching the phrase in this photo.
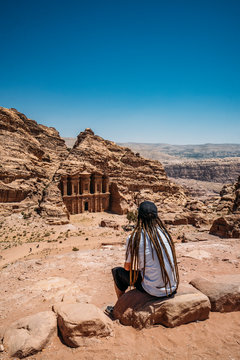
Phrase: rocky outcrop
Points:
(141, 310)
(223, 292)
(29, 335)
(34, 157)
(80, 322)
(215, 170)
(30, 156)
(230, 198)
(132, 178)
(228, 225)
(194, 213)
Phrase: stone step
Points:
(141, 310)
(223, 291)
(79, 323)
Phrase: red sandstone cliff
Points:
(214, 170)
(228, 225)
(30, 156)
(34, 158)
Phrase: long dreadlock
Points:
(149, 226)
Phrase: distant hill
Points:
(171, 153)
(69, 141)
(166, 152)
(219, 163)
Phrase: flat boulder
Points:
(110, 224)
(78, 322)
(227, 226)
(223, 292)
(30, 334)
(141, 310)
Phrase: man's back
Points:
(153, 281)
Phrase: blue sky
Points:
(143, 71)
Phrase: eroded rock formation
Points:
(215, 170)
(228, 225)
(80, 322)
(30, 335)
(38, 172)
(131, 177)
(223, 293)
(30, 156)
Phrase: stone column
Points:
(106, 184)
(75, 184)
(64, 182)
(71, 208)
(81, 205)
(72, 186)
(101, 204)
(100, 184)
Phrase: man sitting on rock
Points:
(150, 264)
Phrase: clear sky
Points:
(132, 70)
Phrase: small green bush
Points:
(132, 216)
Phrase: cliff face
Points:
(34, 157)
(228, 225)
(230, 198)
(30, 156)
(132, 178)
(216, 170)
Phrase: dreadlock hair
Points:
(149, 226)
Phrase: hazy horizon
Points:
(155, 143)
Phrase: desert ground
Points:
(40, 263)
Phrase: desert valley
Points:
(64, 220)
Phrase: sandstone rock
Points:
(226, 226)
(185, 217)
(216, 170)
(30, 156)
(142, 310)
(130, 176)
(52, 207)
(31, 334)
(1, 348)
(109, 223)
(77, 322)
(34, 158)
(230, 198)
(224, 293)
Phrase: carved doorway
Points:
(86, 206)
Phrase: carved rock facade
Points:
(38, 174)
(85, 192)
